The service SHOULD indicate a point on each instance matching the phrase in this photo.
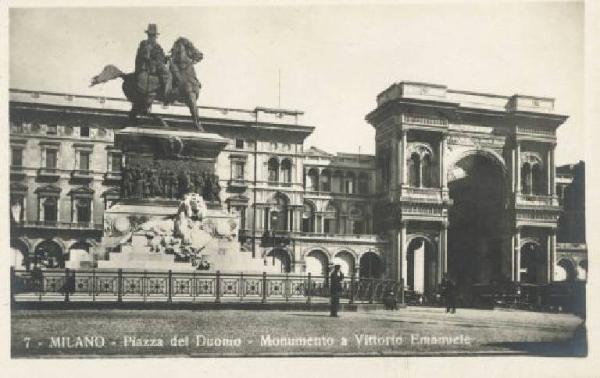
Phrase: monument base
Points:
(145, 235)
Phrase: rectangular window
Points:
(83, 212)
(84, 160)
(51, 159)
(115, 163)
(238, 170)
(16, 157)
(84, 131)
(50, 208)
(17, 208)
(52, 130)
(357, 227)
(239, 143)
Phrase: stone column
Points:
(395, 170)
(551, 170)
(517, 256)
(402, 162)
(518, 167)
(551, 250)
(443, 251)
(442, 159)
(401, 251)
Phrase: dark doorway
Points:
(477, 229)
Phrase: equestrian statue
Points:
(166, 78)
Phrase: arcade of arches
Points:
(319, 262)
(49, 253)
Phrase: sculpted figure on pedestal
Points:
(159, 77)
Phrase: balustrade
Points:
(145, 286)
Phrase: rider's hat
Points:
(152, 30)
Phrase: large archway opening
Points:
(317, 263)
(345, 260)
(49, 254)
(477, 221)
(280, 261)
(533, 263)
(565, 271)
(421, 266)
(19, 254)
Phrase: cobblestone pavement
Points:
(409, 331)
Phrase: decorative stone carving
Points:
(157, 180)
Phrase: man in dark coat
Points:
(150, 63)
(335, 284)
(448, 290)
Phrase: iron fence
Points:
(168, 286)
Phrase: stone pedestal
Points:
(159, 167)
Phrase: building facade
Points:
(66, 171)
(461, 183)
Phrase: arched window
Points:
(337, 182)
(279, 213)
(363, 183)
(308, 214)
(312, 180)
(325, 180)
(426, 172)
(286, 170)
(273, 170)
(414, 170)
(330, 220)
(350, 182)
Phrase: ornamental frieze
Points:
(537, 215)
(471, 141)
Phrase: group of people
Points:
(147, 182)
(448, 291)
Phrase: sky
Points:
(332, 60)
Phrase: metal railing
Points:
(168, 286)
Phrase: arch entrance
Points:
(477, 220)
(49, 254)
(421, 266)
(317, 263)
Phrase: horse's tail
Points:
(109, 73)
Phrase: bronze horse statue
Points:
(143, 89)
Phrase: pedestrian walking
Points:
(335, 285)
(448, 290)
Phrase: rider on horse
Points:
(154, 79)
(150, 63)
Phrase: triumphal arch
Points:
(465, 185)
